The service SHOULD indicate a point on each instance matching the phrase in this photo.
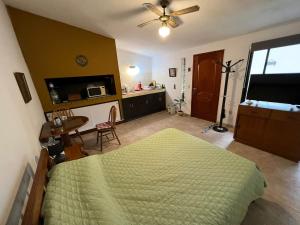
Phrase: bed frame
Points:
(32, 215)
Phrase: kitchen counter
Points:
(143, 92)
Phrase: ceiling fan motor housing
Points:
(164, 18)
(164, 3)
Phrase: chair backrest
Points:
(112, 116)
(61, 112)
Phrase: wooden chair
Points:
(65, 112)
(106, 128)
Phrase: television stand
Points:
(272, 127)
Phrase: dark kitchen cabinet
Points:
(135, 107)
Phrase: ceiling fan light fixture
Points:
(164, 30)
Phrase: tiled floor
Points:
(280, 204)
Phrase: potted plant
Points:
(179, 102)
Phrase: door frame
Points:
(222, 51)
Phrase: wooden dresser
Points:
(272, 127)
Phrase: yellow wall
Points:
(50, 48)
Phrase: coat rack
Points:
(228, 69)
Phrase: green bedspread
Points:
(168, 178)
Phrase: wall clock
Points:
(81, 60)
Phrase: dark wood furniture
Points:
(135, 107)
(74, 152)
(32, 215)
(65, 112)
(106, 128)
(33, 211)
(70, 124)
(271, 127)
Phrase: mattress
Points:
(168, 178)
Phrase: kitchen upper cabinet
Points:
(135, 107)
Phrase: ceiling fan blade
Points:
(191, 9)
(146, 23)
(172, 22)
(153, 8)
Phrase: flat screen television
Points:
(282, 88)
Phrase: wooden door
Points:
(206, 85)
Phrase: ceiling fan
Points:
(166, 19)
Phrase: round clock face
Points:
(81, 60)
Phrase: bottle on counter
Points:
(154, 83)
(53, 94)
(140, 85)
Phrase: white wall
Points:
(235, 49)
(125, 59)
(20, 123)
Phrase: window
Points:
(276, 60)
(258, 62)
(284, 60)
(277, 56)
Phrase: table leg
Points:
(66, 139)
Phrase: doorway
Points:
(206, 85)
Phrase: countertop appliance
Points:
(95, 90)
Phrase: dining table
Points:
(68, 125)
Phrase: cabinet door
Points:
(140, 105)
(128, 108)
(150, 104)
(158, 102)
(250, 130)
(161, 101)
(283, 138)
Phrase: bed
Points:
(168, 178)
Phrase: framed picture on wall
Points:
(172, 72)
(21, 80)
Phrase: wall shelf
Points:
(70, 89)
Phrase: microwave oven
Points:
(95, 91)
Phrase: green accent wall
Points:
(50, 47)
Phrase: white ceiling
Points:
(216, 20)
